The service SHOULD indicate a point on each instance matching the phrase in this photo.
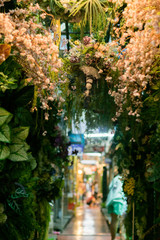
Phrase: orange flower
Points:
(95, 46)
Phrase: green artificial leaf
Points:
(16, 147)
(4, 152)
(18, 153)
(21, 132)
(86, 49)
(5, 133)
(16, 140)
(154, 173)
(119, 145)
(3, 78)
(7, 83)
(26, 146)
(155, 87)
(5, 116)
(156, 97)
(32, 161)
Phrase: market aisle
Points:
(88, 224)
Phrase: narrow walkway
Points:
(88, 224)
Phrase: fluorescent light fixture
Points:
(89, 162)
(97, 135)
(93, 154)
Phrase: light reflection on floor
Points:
(88, 224)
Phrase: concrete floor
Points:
(88, 224)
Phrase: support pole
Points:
(67, 35)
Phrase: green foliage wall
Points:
(32, 156)
(137, 153)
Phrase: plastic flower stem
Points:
(133, 206)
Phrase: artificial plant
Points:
(32, 171)
(29, 157)
(86, 68)
(136, 93)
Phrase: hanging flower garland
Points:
(34, 48)
(139, 40)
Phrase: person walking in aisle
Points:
(116, 202)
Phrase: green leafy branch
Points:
(7, 83)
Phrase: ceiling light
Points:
(80, 171)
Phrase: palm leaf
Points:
(58, 3)
(94, 11)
